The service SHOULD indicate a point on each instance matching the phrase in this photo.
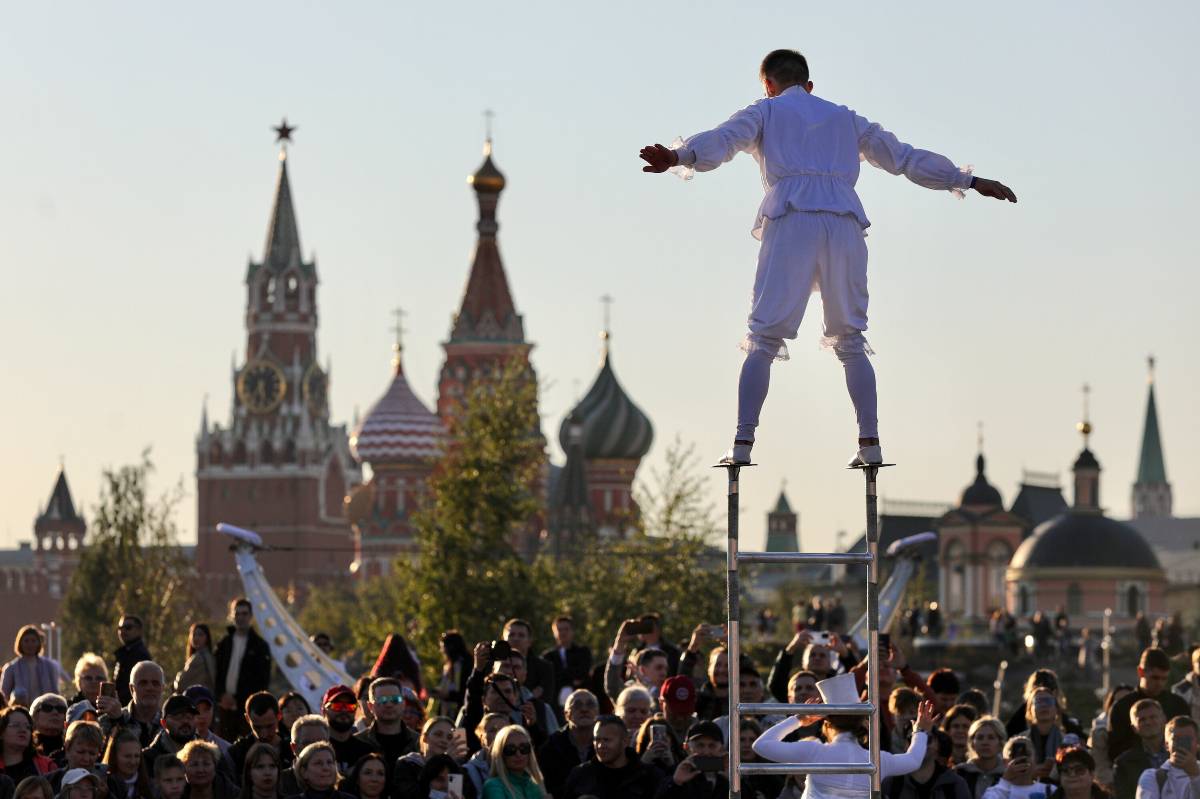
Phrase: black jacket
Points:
(127, 656)
(406, 778)
(575, 673)
(254, 675)
(697, 787)
(1121, 736)
(556, 758)
(241, 747)
(408, 741)
(636, 780)
(540, 674)
(1127, 769)
(946, 785)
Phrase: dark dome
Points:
(488, 178)
(1086, 460)
(613, 427)
(981, 492)
(1085, 541)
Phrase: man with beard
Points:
(338, 707)
(178, 727)
(615, 771)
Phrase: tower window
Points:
(270, 291)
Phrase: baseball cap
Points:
(337, 691)
(77, 775)
(178, 704)
(680, 693)
(80, 709)
(200, 693)
(705, 729)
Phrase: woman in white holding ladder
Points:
(843, 746)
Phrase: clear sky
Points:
(137, 167)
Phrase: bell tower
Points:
(278, 467)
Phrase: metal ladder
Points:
(737, 709)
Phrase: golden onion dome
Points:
(487, 178)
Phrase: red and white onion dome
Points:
(398, 428)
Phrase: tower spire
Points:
(1151, 492)
(1085, 424)
(398, 346)
(283, 235)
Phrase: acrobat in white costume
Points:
(811, 225)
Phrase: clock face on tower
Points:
(261, 386)
(316, 390)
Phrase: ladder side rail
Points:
(769, 708)
(732, 637)
(807, 768)
(870, 473)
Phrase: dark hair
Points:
(238, 602)
(645, 737)
(252, 754)
(455, 645)
(944, 681)
(21, 633)
(973, 697)
(6, 714)
(955, 712)
(207, 635)
(1078, 754)
(499, 676)
(648, 654)
(1154, 658)
(133, 617)
(350, 784)
(652, 616)
(29, 783)
(519, 623)
(122, 736)
(1111, 699)
(512, 653)
(784, 68)
(289, 696)
(945, 746)
(362, 688)
(608, 718)
(433, 769)
(396, 660)
(1182, 721)
(261, 702)
(1043, 678)
(560, 619)
(165, 762)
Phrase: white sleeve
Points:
(771, 746)
(708, 150)
(1147, 787)
(883, 150)
(896, 765)
(1000, 790)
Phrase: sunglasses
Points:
(511, 750)
(342, 707)
(389, 700)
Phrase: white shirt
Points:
(235, 662)
(1006, 790)
(808, 151)
(843, 749)
(1178, 785)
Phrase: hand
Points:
(837, 644)
(624, 639)
(685, 771)
(529, 714)
(799, 641)
(483, 656)
(1018, 771)
(806, 720)
(925, 717)
(993, 188)
(458, 746)
(699, 636)
(656, 751)
(109, 706)
(660, 158)
(1185, 761)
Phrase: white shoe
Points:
(867, 456)
(738, 455)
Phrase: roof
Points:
(1169, 533)
(1151, 468)
(1086, 460)
(782, 505)
(60, 508)
(1084, 540)
(487, 179)
(980, 492)
(613, 426)
(282, 247)
(398, 428)
(1037, 503)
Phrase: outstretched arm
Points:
(708, 150)
(882, 149)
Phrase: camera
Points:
(501, 650)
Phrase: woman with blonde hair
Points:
(515, 772)
(984, 767)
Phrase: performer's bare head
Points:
(782, 69)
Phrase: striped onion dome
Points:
(398, 428)
(613, 427)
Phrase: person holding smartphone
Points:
(702, 773)
(1179, 777)
(1020, 779)
(614, 771)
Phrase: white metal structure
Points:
(737, 709)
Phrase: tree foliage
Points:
(132, 563)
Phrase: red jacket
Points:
(43, 764)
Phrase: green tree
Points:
(132, 563)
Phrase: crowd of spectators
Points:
(646, 719)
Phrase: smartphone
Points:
(714, 630)
(108, 689)
(639, 626)
(658, 734)
(1181, 742)
(711, 764)
(821, 638)
(501, 650)
(455, 784)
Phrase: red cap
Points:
(337, 691)
(680, 693)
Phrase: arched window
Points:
(291, 292)
(1074, 599)
(239, 453)
(214, 453)
(289, 452)
(1133, 601)
(270, 292)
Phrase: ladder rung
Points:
(819, 558)
(806, 768)
(769, 708)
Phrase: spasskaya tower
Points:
(278, 467)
